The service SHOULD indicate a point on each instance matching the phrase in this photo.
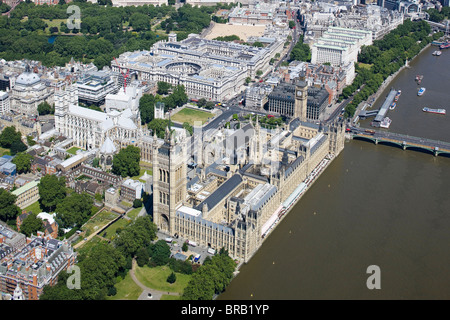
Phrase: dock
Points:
(385, 107)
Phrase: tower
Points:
(256, 144)
(337, 136)
(159, 110)
(301, 99)
(169, 178)
(61, 109)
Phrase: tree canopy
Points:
(211, 278)
(8, 208)
(158, 126)
(74, 209)
(301, 51)
(22, 162)
(135, 236)
(126, 162)
(8, 136)
(31, 224)
(52, 190)
(384, 57)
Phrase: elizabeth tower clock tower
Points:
(301, 99)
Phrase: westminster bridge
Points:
(434, 147)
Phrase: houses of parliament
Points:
(221, 188)
(226, 188)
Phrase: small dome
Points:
(28, 78)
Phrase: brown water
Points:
(374, 205)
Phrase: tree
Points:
(98, 269)
(137, 235)
(18, 146)
(158, 126)
(8, 208)
(201, 102)
(44, 108)
(22, 162)
(142, 257)
(291, 24)
(160, 253)
(185, 247)
(210, 278)
(8, 136)
(171, 278)
(112, 291)
(30, 141)
(74, 209)
(248, 80)
(188, 128)
(147, 108)
(52, 190)
(31, 225)
(179, 95)
(139, 21)
(163, 87)
(126, 162)
(137, 203)
(209, 105)
(96, 162)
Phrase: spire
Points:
(18, 293)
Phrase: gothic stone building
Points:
(231, 203)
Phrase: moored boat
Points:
(419, 78)
(385, 123)
(392, 106)
(437, 111)
(445, 45)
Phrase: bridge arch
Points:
(391, 144)
(444, 154)
(364, 138)
(420, 149)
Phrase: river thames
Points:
(374, 205)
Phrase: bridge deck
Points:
(406, 140)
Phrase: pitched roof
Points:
(221, 192)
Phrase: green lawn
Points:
(4, 151)
(35, 208)
(73, 150)
(97, 222)
(54, 22)
(190, 115)
(133, 213)
(364, 65)
(111, 230)
(127, 289)
(155, 278)
(141, 173)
